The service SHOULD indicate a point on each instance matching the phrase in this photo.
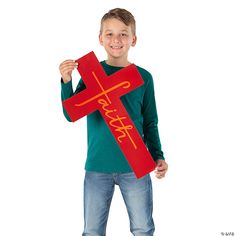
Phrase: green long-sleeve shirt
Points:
(104, 154)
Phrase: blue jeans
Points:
(137, 195)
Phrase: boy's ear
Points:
(134, 41)
(100, 39)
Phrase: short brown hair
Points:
(122, 15)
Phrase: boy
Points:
(105, 165)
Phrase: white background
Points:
(188, 46)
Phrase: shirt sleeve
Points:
(150, 121)
(67, 92)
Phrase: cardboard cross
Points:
(103, 93)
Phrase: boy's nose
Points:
(116, 38)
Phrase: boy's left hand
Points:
(161, 168)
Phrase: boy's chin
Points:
(116, 55)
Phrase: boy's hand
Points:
(66, 68)
(161, 169)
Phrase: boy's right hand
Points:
(66, 68)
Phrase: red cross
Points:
(103, 93)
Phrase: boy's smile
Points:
(116, 38)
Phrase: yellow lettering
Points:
(115, 121)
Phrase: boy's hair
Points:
(122, 15)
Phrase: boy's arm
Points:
(67, 92)
(150, 121)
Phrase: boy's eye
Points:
(109, 34)
(124, 35)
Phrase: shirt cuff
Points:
(67, 89)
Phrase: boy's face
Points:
(116, 38)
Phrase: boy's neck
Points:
(117, 62)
